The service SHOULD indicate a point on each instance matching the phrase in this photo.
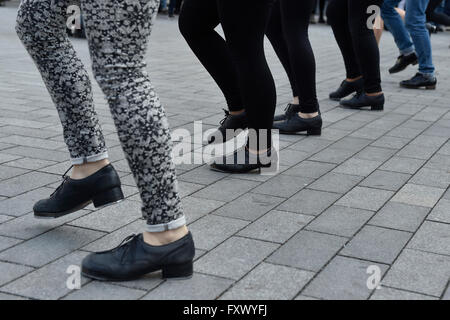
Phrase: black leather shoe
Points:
(102, 188)
(230, 122)
(295, 124)
(361, 100)
(290, 110)
(419, 81)
(403, 62)
(134, 258)
(242, 161)
(347, 88)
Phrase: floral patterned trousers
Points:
(117, 32)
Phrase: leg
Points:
(244, 31)
(118, 43)
(415, 23)
(198, 19)
(41, 25)
(437, 17)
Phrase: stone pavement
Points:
(373, 190)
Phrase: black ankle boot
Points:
(230, 122)
(347, 88)
(419, 81)
(361, 100)
(101, 188)
(134, 258)
(290, 110)
(243, 161)
(295, 124)
(403, 62)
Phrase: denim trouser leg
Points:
(397, 27)
(415, 23)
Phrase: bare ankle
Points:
(235, 113)
(353, 79)
(308, 115)
(165, 237)
(85, 170)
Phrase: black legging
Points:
(238, 65)
(348, 19)
(437, 17)
(288, 33)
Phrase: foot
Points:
(295, 124)
(134, 258)
(102, 188)
(420, 81)
(322, 20)
(228, 127)
(244, 161)
(403, 62)
(362, 100)
(289, 111)
(347, 88)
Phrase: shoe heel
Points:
(314, 132)
(108, 197)
(377, 108)
(178, 271)
(432, 87)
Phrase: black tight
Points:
(288, 33)
(238, 65)
(437, 17)
(357, 42)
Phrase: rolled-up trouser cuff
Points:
(175, 224)
(93, 158)
(407, 51)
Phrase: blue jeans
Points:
(414, 25)
(163, 5)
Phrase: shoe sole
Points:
(432, 87)
(372, 108)
(99, 201)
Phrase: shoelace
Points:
(126, 242)
(64, 177)
(227, 115)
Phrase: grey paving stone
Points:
(336, 182)
(441, 212)
(341, 221)
(276, 226)
(375, 154)
(352, 143)
(439, 162)
(193, 211)
(188, 188)
(308, 250)
(29, 163)
(7, 172)
(365, 198)
(26, 182)
(6, 242)
(38, 153)
(308, 145)
(310, 169)
(417, 151)
(11, 271)
(4, 218)
(22, 204)
(4, 297)
(4, 157)
(333, 155)
(302, 297)
(394, 294)
(110, 218)
(212, 230)
(235, 257)
(418, 195)
(403, 165)
(283, 185)
(391, 142)
(200, 287)
(291, 157)
(357, 167)
(350, 284)
(250, 206)
(226, 190)
(377, 244)
(202, 175)
(31, 142)
(269, 282)
(386, 180)
(48, 282)
(312, 202)
(49, 246)
(419, 271)
(433, 237)
(400, 216)
(104, 291)
(431, 177)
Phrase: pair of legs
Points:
(411, 35)
(435, 16)
(237, 63)
(117, 34)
